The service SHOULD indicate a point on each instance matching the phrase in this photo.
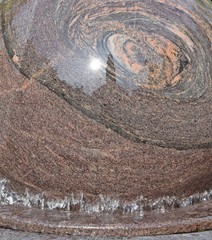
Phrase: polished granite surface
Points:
(10, 235)
(105, 106)
(141, 68)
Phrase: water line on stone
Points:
(105, 204)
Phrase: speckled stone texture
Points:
(108, 97)
(188, 219)
(10, 235)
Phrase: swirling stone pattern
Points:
(142, 68)
(87, 138)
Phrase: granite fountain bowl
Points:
(106, 116)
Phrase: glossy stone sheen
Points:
(190, 219)
(137, 67)
(106, 98)
(8, 234)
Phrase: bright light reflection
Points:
(95, 64)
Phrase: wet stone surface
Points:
(182, 220)
(106, 104)
(11, 234)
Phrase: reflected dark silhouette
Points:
(110, 70)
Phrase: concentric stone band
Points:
(106, 98)
(153, 61)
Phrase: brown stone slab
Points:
(188, 219)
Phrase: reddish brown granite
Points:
(49, 145)
(188, 219)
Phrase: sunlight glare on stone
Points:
(95, 64)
